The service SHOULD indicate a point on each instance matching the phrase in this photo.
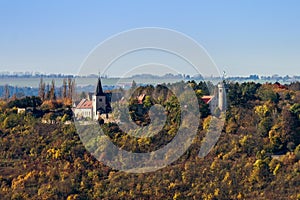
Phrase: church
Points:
(99, 102)
(218, 100)
(92, 108)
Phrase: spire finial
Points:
(99, 90)
(224, 75)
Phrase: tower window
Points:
(100, 100)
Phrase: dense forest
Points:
(257, 155)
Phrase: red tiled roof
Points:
(280, 86)
(207, 99)
(141, 98)
(84, 104)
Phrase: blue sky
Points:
(242, 37)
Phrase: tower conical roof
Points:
(99, 90)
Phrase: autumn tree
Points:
(266, 93)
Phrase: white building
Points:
(221, 96)
(99, 101)
(217, 101)
(84, 109)
(91, 109)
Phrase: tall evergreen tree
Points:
(42, 88)
(64, 89)
(6, 92)
(52, 90)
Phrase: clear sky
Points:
(243, 37)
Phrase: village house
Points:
(93, 107)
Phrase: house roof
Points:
(85, 104)
(75, 103)
(141, 98)
(207, 98)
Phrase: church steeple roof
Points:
(99, 90)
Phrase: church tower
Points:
(99, 101)
(221, 96)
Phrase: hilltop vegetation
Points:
(257, 155)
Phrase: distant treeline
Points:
(274, 77)
(18, 91)
(34, 75)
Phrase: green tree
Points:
(266, 93)
(147, 102)
(297, 152)
(11, 121)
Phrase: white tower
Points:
(99, 101)
(221, 96)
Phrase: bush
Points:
(297, 152)
(11, 121)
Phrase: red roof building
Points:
(141, 98)
(84, 109)
(85, 104)
(207, 99)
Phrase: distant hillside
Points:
(256, 157)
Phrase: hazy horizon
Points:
(37, 73)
